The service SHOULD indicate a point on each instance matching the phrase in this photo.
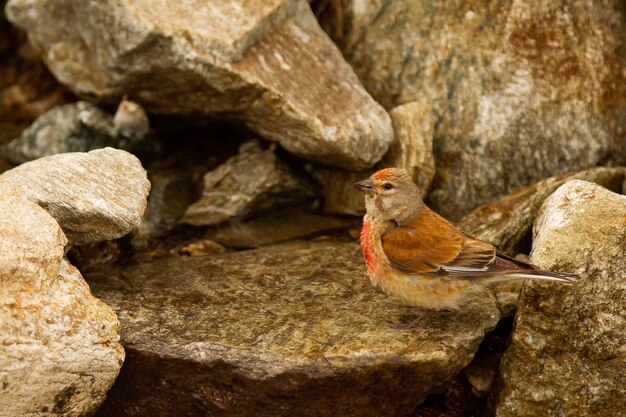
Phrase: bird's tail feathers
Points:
(562, 277)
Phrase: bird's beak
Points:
(365, 186)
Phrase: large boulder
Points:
(267, 63)
(567, 352)
(292, 329)
(520, 91)
(98, 195)
(59, 346)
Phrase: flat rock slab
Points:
(292, 329)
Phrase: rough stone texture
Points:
(412, 149)
(339, 195)
(292, 329)
(567, 352)
(94, 196)
(59, 346)
(252, 182)
(520, 91)
(266, 62)
(507, 222)
(278, 226)
(76, 127)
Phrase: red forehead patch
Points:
(382, 173)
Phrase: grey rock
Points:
(292, 329)
(278, 226)
(412, 149)
(267, 63)
(99, 195)
(59, 346)
(252, 182)
(567, 352)
(519, 91)
(75, 127)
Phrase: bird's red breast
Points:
(366, 246)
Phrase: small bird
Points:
(419, 257)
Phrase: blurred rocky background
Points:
(178, 227)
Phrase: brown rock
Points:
(519, 91)
(567, 353)
(252, 182)
(507, 221)
(59, 350)
(412, 149)
(267, 63)
(292, 329)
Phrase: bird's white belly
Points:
(427, 292)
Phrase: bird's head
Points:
(391, 196)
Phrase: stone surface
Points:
(412, 149)
(507, 222)
(75, 127)
(567, 352)
(252, 182)
(59, 346)
(267, 63)
(94, 196)
(292, 329)
(519, 91)
(278, 226)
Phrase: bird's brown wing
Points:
(430, 244)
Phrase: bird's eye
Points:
(387, 186)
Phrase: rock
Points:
(340, 196)
(94, 196)
(412, 149)
(276, 227)
(567, 353)
(254, 61)
(131, 120)
(292, 329)
(59, 346)
(519, 92)
(252, 182)
(79, 127)
(507, 222)
(75, 127)
(170, 195)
